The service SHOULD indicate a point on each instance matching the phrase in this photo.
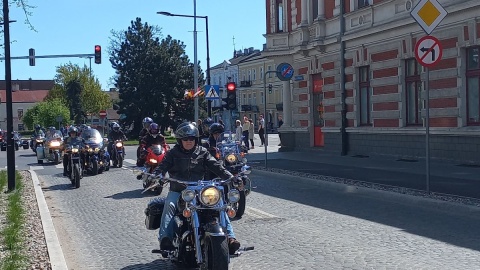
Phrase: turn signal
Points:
(242, 154)
(217, 155)
(187, 213)
(231, 213)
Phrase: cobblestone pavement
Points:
(294, 223)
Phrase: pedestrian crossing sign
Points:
(212, 92)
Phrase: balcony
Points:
(279, 107)
(245, 83)
(246, 108)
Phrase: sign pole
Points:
(427, 128)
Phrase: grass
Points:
(135, 142)
(12, 235)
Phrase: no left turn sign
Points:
(428, 51)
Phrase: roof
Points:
(25, 96)
(30, 84)
(237, 60)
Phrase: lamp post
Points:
(209, 108)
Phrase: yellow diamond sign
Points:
(428, 14)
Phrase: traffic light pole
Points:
(49, 56)
(209, 102)
(8, 90)
(265, 110)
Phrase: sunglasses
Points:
(188, 139)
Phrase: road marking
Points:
(59, 166)
(257, 213)
(16, 166)
(131, 161)
(36, 168)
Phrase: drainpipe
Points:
(343, 131)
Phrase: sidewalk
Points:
(445, 177)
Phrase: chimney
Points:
(245, 51)
(250, 50)
(113, 89)
(264, 46)
(15, 87)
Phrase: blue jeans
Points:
(169, 210)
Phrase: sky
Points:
(75, 27)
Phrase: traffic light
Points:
(270, 86)
(31, 57)
(98, 54)
(231, 98)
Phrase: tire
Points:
(94, 167)
(119, 160)
(40, 161)
(159, 190)
(16, 147)
(216, 253)
(56, 158)
(241, 205)
(76, 175)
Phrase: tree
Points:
(151, 75)
(27, 10)
(46, 113)
(92, 98)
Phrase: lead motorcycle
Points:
(97, 159)
(231, 154)
(154, 156)
(201, 238)
(74, 168)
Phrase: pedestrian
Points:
(261, 130)
(238, 131)
(251, 132)
(280, 123)
(245, 128)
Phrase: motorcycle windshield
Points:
(226, 138)
(156, 149)
(92, 137)
(57, 135)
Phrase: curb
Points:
(55, 253)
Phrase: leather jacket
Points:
(190, 166)
(116, 135)
(149, 140)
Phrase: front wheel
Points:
(76, 175)
(56, 157)
(119, 161)
(241, 204)
(94, 167)
(216, 253)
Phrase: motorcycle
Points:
(154, 156)
(17, 141)
(51, 149)
(97, 159)
(200, 238)
(74, 168)
(232, 156)
(118, 153)
(36, 141)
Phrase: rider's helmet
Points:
(216, 128)
(186, 130)
(154, 129)
(37, 127)
(116, 127)
(147, 121)
(71, 130)
(206, 126)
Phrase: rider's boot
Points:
(233, 245)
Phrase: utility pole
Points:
(195, 66)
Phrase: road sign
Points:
(428, 51)
(285, 71)
(59, 119)
(102, 114)
(428, 14)
(212, 92)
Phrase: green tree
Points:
(92, 98)
(27, 10)
(151, 75)
(46, 113)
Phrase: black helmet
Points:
(206, 126)
(37, 126)
(72, 129)
(186, 130)
(216, 128)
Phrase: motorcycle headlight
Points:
(231, 158)
(97, 149)
(39, 140)
(90, 150)
(210, 196)
(152, 160)
(55, 144)
(233, 196)
(75, 150)
(119, 144)
(188, 195)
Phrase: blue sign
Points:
(285, 71)
(212, 92)
(299, 78)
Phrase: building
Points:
(373, 102)
(25, 94)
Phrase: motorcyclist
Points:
(36, 133)
(188, 161)
(206, 127)
(146, 122)
(72, 138)
(115, 134)
(153, 137)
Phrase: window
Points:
(249, 99)
(315, 9)
(261, 73)
(262, 98)
(244, 99)
(363, 3)
(254, 74)
(365, 93)
(254, 98)
(413, 89)
(244, 75)
(249, 75)
(473, 86)
(280, 16)
(269, 69)
(20, 114)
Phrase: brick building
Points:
(379, 91)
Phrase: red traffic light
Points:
(98, 48)
(231, 86)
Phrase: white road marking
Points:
(33, 168)
(258, 213)
(59, 166)
(131, 161)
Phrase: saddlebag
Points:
(153, 213)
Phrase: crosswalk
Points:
(60, 166)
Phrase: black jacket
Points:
(143, 133)
(190, 166)
(119, 135)
(149, 140)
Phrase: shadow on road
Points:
(449, 226)
(66, 186)
(131, 194)
(28, 155)
(157, 264)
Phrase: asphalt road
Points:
(293, 222)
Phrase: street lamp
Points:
(209, 108)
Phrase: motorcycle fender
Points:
(40, 153)
(215, 230)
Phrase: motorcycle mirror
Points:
(204, 141)
(246, 169)
(105, 140)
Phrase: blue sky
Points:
(75, 27)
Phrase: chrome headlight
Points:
(74, 150)
(119, 144)
(210, 196)
(231, 158)
(90, 150)
(188, 195)
(233, 196)
(152, 160)
(97, 149)
(54, 144)
(39, 140)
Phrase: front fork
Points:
(198, 246)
